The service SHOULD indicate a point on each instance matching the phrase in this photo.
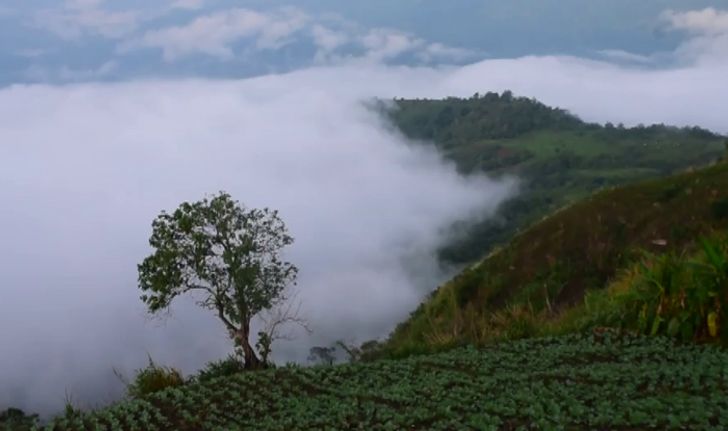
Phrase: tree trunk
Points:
(251, 358)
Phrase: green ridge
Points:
(558, 158)
(550, 266)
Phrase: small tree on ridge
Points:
(228, 254)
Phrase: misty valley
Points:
(611, 247)
(470, 215)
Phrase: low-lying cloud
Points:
(84, 170)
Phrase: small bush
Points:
(13, 419)
(515, 322)
(154, 378)
(225, 367)
(719, 208)
(669, 193)
(676, 295)
(681, 296)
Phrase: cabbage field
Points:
(599, 381)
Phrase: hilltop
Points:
(558, 158)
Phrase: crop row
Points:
(572, 382)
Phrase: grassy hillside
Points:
(600, 381)
(549, 267)
(558, 157)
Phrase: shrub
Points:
(719, 208)
(677, 295)
(680, 296)
(152, 379)
(225, 367)
(13, 419)
(514, 322)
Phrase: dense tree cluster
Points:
(558, 157)
(488, 116)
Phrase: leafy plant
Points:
(12, 419)
(227, 367)
(719, 208)
(678, 295)
(154, 378)
(604, 380)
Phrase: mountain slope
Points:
(550, 266)
(558, 158)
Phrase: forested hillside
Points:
(558, 158)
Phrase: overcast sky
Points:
(78, 40)
(98, 133)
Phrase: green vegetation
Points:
(548, 268)
(153, 378)
(228, 254)
(601, 381)
(222, 368)
(670, 294)
(559, 158)
(13, 419)
(586, 319)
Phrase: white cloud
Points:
(335, 39)
(708, 21)
(709, 34)
(437, 52)
(385, 44)
(214, 34)
(77, 18)
(382, 45)
(328, 40)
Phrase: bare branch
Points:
(287, 312)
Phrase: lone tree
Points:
(228, 254)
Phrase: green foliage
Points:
(264, 346)
(604, 380)
(223, 368)
(720, 208)
(680, 296)
(12, 419)
(491, 116)
(227, 253)
(153, 378)
(547, 269)
(558, 158)
(322, 355)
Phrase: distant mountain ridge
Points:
(558, 157)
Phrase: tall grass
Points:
(679, 295)
(682, 295)
(152, 378)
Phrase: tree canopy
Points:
(226, 253)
